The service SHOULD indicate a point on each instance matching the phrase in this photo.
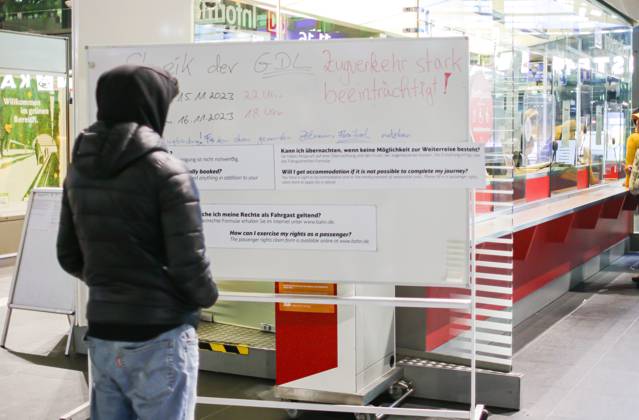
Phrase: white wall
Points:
(121, 22)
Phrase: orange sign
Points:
(327, 289)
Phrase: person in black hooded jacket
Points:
(131, 229)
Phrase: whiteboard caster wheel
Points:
(399, 388)
(363, 416)
(396, 391)
(293, 413)
(484, 415)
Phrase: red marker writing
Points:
(446, 77)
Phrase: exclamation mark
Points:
(446, 77)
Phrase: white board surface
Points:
(39, 282)
(244, 106)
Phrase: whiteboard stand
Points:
(475, 412)
(38, 283)
(366, 412)
(190, 139)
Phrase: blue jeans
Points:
(154, 379)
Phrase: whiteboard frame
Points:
(287, 41)
(14, 280)
(91, 109)
(16, 270)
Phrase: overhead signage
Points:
(616, 65)
(236, 15)
(227, 13)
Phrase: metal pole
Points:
(473, 308)
(71, 319)
(5, 328)
(417, 20)
(278, 25)
(635, 73)
(14, 281)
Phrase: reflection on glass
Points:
(32, 130)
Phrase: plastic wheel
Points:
(399, 388)
(293, 413)
(484, 415)
(395, 391)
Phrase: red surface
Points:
(438, 321)
(542, 253)
(546, 260)
(483, 196)
(306, 344)
(525, 239)
(589, 217)
(537, 188)
(558, 229)
(612, 208)
(613, 172)
(582, 178)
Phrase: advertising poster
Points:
(32, 128)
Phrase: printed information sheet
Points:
(331, 166)
(380, 166)
(352, 228)
(229, 167)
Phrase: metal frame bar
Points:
(394, 411)
(14, 280)
(376, 410)
(12, 291)
(473, 306)
(75, 414)
(71, 319)
(341, 300)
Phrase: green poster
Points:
(31, 133)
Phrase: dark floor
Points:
(577, 357)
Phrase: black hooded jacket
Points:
(131, 226)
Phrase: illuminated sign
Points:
(44, 83)
(231, 14)
(605, 64)
(228, 14)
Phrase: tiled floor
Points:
(584, 366)
(578, 357)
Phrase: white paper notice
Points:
(379, 166)
(567, 154)
(45, 212)
(352, 228)
(229, 167)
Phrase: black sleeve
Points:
(68, 248)
(187, 265)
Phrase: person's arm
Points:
(68, 248)
(187, 263)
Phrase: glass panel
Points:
(41, 16)
(33, 127)
(549, 99)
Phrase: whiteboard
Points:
(258, 125)
(39, 282)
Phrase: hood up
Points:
(133, 103)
